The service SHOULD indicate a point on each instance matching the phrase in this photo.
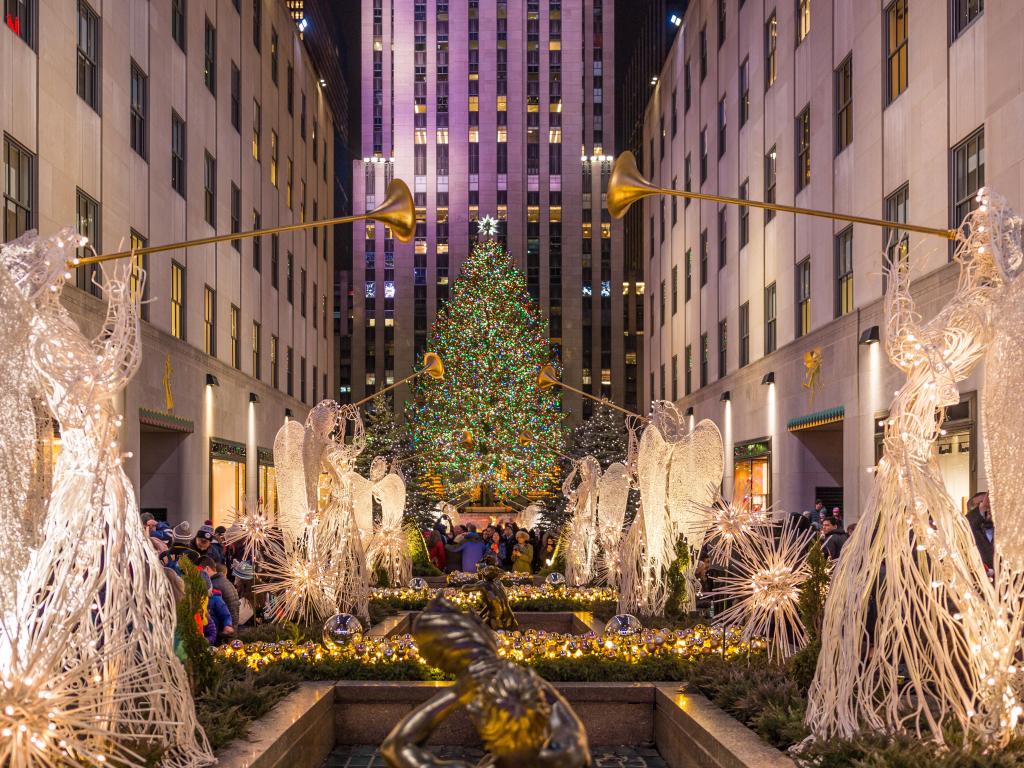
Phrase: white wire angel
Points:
(581, 531)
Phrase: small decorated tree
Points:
(467, 427)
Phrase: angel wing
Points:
(697, 468)
(361, 491)
(292, 491)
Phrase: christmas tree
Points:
(467, 427)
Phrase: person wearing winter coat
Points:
(218, 574)
(833, 537)
(218, 617)
(472, 548)
(435, 549)
(522, 554)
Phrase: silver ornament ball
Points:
(342, 629)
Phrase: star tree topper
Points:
(487, 226)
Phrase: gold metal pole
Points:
(397, 211)
(526, 437)
(626, 185)
(388, 388)
(432, 366)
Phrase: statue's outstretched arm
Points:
(404, 748)
(566, 746)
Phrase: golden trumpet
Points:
(397, 211)
(626, 185)
(547, 378)
(432, 367)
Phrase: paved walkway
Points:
(604, 757)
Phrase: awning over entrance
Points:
(165, 422)
(817, 419)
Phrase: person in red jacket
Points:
(435, 550)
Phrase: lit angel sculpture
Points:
(938, 646)
(388, 550)
(612, 500)
(763, 584)
(94, 560)
(581, 533)
(676, 471)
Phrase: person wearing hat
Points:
(522, 553)
(149, 522)
(245, 579)
(219, 624)
(218, 574)
(205, 545)
(180, 547)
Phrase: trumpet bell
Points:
(397, 211)
(626, 185)
(547, 378)
(432, 365)
(525, 439)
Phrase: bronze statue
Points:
(496, 612)
(521, 719)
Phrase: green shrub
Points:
(192, 645)
(802, 665)
(677, 581)
(814, 591)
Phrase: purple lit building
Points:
(500, 109)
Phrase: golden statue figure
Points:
(496, 611)
(812, 369)
(168, 395)
(521, 719)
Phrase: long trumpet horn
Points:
(397, 211)
(547, 378)
(432, 367)
(626, 185)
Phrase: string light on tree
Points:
(493, 340)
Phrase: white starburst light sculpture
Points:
(763, 587)
(723, 524)
(252, 528)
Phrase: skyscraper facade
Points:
(501, 110)
(769, 323)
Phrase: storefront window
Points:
(752, 474)
(227, 480)
(268, 489)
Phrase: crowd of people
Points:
(228, 580)
(460, 547)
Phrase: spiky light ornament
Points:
(252, 528)
(493, 341)
(723, 524)
(763, 587)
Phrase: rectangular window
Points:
(803, 297)
(257, 129)
(721, 23)
(687, 185)
(771, 44)
(675, 115)
(688, 370)
(661, 379)
(723, 347)
(236, 97)
(275, 369)
(289, 277)
(140, 264)
(314, 305)
(236, 341)
(273, 54)
(210, 190)
(178, 301)
(723, 243)
(209, 321)
(210, 58)
(288, 184)
(703, 258)
(744, 214)
(744, 333)
(687, 88)
(273, 158)
(661, 303)
(236, 215)
(744, 92)
(177, 154)
(675, 288)
(88, 55)
(968, 174)
(688, 276)
(844, 272)
(88, 221)
(139, 111)
(19, 189)
(290, 90)
(770, 320)
(178, 22)
(964, 14)
(289, 373)
(769, 182)
(703, 53)
(844, 104)
(257, 23)
(275, 244)
(803, 20)
(257, 242)
(19, 15)
(705, 353)
(704, 154)
(896, 241)
(897, 57)
(257, 349)
(302, 291)
(721, 127)
(675, 377)
(302, 379)
(302, 115)
(803, 151)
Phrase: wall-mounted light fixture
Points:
(726, 396)
(253, 397)
(211, 380)
(689, 411)
(870, 336)
(287, 413)
(768, 378)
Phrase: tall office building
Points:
(768, 323)
(153, 123)
(500, 109)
